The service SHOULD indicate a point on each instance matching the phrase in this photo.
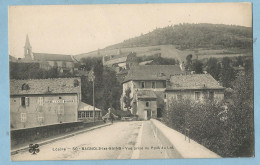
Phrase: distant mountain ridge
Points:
(189, 36)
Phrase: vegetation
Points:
(127, 99)
(188, 36)
(225, 128)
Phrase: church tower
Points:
(28, 50)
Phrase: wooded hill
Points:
(189, 36)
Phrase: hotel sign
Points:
(59, 101)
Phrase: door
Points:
(149, 114)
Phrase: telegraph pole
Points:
(94, 99)
(92, 78)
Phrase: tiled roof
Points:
(193, 81)
(152, 72)
(145, 94)
(45, 86)
(52, 57)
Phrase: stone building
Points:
(195, 87)
(64, 63)
(41, 102)
(121, 61)
(147, 84)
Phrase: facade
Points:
(85, 112)
(41, 102)
(195, 87)
(147, 84)
(120, 61)
(64, 63)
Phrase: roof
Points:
(45, 86)
(152, 72)
(193, 81)
(52, 57)
(145, 94)
(86, 107)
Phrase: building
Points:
(86, 111)
(64, 63)
(147, 84)
(120, 61)
(41, 102)
(195, 87)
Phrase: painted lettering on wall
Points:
(59, 101)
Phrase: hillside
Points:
(188, 36)
(178, 41)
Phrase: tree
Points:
(127, 99)
(227, 72)
(213, 68)
(197, 66)
(241, 117)
(188, 62)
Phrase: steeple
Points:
(27, 42)
(27, 49)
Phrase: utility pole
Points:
(94, 100)
(91, 77)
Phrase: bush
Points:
(212, 125)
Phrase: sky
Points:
(76, 29)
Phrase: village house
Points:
(41, 102)
(64, 63)
(121, 61)
(147, 84)
(195, 87)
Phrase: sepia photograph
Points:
(131, 81)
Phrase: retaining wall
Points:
(22, 136)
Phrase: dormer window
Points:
(25, 86)
(76, 83)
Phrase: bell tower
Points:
(27, 49)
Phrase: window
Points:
(79, 115)
(23, 117)
(147, 104)
(22, 101)
(40, 101)
(76, 83)
(164, 84)
(83, 114)
(197, 95)
(25, 86)
(142, 84)
(27, 101)
(60, 97)
(40, 117)
(153, 84)
(211, 95)
(91, 114)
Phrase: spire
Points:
(27, 42)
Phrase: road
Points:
(121, 140)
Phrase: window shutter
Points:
(27, 101)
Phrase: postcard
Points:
(131, 81)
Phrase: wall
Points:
(52, 111)
(31, 135)
(141, 107)
(148, 84)
(190, 94)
